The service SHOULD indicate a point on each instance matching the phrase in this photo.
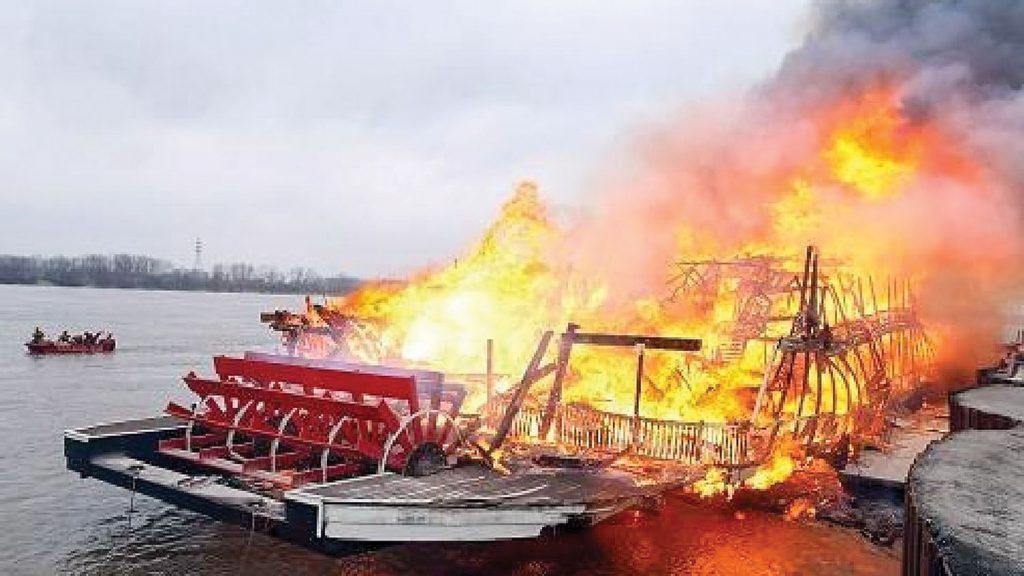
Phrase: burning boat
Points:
(326, 448)
(887, 139)
(706, 347)
(322, 451)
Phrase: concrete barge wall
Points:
(987, 408)
(961, 517)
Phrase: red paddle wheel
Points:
(289, 421)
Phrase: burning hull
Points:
(45, 348)
(326, 450)
(358, 451)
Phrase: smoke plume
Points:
(891, 137)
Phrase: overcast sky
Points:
(364, 137)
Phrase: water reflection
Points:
(680, 539)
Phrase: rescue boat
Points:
(51, 347)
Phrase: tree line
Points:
(145, 272)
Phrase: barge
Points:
(466, 502)
(331, 451)
(323, 453)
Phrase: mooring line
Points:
(135, 470)
(254, 506)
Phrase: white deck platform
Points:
(467, 503)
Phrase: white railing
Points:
(580, 426)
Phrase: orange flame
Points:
(876, 152)
(519, 279)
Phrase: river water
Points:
(53, 522)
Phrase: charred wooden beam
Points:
(555, 397)
(532, 373)
(628, 340)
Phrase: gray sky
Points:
(360, 137)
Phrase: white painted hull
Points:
(419, 524)
(470, 504)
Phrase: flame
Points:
(800, 508)
(876, 152)
(522, 278)
(777, 469)
(714, 483)
(504, 288)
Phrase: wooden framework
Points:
(828, 382)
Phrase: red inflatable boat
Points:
(51, 347)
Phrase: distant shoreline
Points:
(136, 272)
(159, 289)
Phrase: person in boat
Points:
(64, 338)
(77, 339)
(38, 336)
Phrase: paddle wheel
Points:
(288, 421)
(833, 378)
